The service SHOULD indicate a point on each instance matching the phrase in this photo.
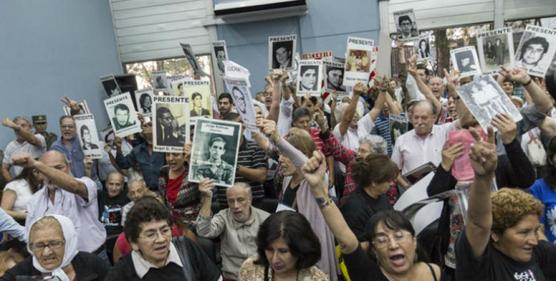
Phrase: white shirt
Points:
(351, 138)
(15, 147)
(285, 116)
(412, 151)
(22, 192)
(83, 213)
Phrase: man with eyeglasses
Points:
(63, 194)
(141, 156)
(155, 255)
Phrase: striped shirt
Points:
(382, 128)
(250, 155)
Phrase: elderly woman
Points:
(294, 151)
(501, 237)
(287, 249)
(391, 255)
(53, 246)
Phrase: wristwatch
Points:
(323, 202)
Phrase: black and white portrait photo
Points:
(281, 51)
(334, 73)
(123, 116)
(239, 90)
(465, 61)
(110, 85)
(485, 98)
(220, 54)
(144, 101)
(309, 77)
(423, 48)
(200, 98)
(88, 136)
(170, 122)
(176, 87)
(214, 151)
(495, 49)
(159, 80)
(536, 49)
(405, 24)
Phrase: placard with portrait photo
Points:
(200, 98)
(406, 25)
(220, 53)
(122, 115)
(170, 123)
(159, 81)
(214, 151)
(536, 49)
(496, 49)
(281, 51)
(239, 90)
(465, 61)
(176, 87)
(423, 47)
(485, 98)
(360, 61)
(334, 77)
(110, 85)
(144, 101)
(88, 136)
(309, 78)
(83, 108)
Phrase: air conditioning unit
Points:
(253, 10)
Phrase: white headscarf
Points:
(70, 247)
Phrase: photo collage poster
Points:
(360, 61)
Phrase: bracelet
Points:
(323, 202)
(527, 84)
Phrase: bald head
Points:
(422, 118)
(239, 201)
(55, 159)
(114, 184)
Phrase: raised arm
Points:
(296, 156)
(540, 99)
(207, 225)
(358, 90)
(53, 175)
(275, 81)
(24, 133)
(483, 160)
(314, 172)
(422, 86)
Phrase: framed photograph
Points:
(170, 123)
(423, 47)
(360, 61)
(200, 97)
(536, 49)
(83, 108)
(495, 49)
(220, 52)
(281, 50)
(239, 90)
(144, 101)
(122, 115)
(406, 26)
(485, 98)
(214, 151)
(334, 77)
(88, 136)
(465, 61)
(309, 77)
(110, 85)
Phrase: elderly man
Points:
(25, 141)
(136, 189)
(69, 145)
(237, 226)
(62, 194)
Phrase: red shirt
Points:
(173, 187)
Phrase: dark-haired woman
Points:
(392, 253)
(17, 193)
(287, 249)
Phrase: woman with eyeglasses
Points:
(392, 253)
(53, 247)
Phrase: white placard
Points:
(122, 115)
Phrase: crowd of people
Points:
(313, 191)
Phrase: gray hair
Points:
(244, 186)
(17, 118)
(376, 142)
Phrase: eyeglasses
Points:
(383, 240)
(52, 245)
(152, 234)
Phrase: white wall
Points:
(444, 13)
(153, 29)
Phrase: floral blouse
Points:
(250, 271)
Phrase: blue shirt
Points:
(148, 163)
(382, 128)
(542, 191)
(75, 156)
(10, 226)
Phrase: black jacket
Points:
(88, 267)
